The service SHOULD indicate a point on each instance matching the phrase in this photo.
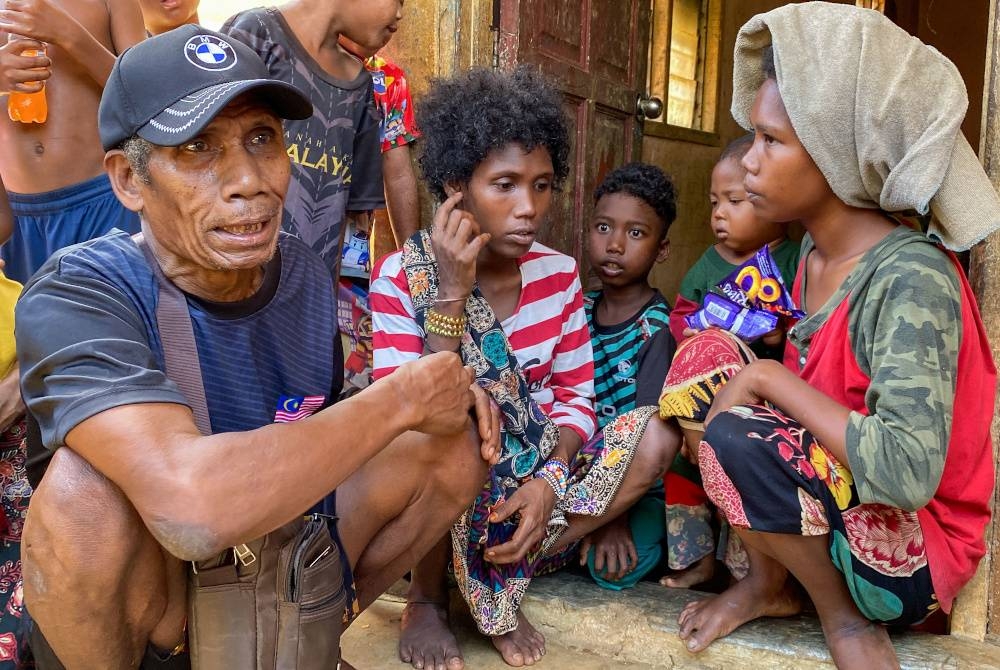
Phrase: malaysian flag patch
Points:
(295, 407)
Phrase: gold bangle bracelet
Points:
(436, 323)
(438, 317)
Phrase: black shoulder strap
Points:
(180, 352)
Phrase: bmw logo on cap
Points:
(209, 53)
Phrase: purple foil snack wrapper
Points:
(749, 302)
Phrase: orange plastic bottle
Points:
(28, 107)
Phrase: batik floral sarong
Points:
(701, 366)
(15, 493)
(766, 472)
(494, 592)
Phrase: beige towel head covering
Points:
(879, 111)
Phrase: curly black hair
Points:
(464, 118)
(646, 182)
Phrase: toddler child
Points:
(740, 233)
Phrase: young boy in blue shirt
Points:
(633, 347)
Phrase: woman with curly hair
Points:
(495, 148)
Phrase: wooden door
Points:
(596, 51)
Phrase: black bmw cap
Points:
(167, 88)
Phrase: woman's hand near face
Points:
(456, 241)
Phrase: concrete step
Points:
(590, 628)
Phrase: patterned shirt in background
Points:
(336, 162)
(398, 128)
(392, 97)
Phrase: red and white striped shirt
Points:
(547, 331)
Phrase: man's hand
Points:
(23, 74)
(488, 422)
(533, 502)
(614, 549)
(42, 20)
(456, 241)
(436, 393)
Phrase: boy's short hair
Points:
(737, 149)
(464, 118)
(647, 183)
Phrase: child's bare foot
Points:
(522, 646)
(425, 640)
(698, 573)
(704, 621)
(861, 644)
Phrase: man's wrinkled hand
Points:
(436, 392)
(488, 422)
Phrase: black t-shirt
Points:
(336, 154)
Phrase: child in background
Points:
(160, 16)
(336, 163)
(740, 234)
(54, 171)
(390, 226)
(628, 320)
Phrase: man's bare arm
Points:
(46, 21)
(198, 495)
(127, 27)
(401, 193)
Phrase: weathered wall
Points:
(436, 39)
(977, 610)
(959, 35)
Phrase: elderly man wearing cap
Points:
(192, 129)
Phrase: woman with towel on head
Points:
(862, 467)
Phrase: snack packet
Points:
(749, 302)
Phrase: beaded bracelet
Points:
(436, 323)
(555, 472)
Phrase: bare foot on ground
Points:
(425, 640)
(700, 572)
(522, 646)
(861, 644)
(704, 621)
